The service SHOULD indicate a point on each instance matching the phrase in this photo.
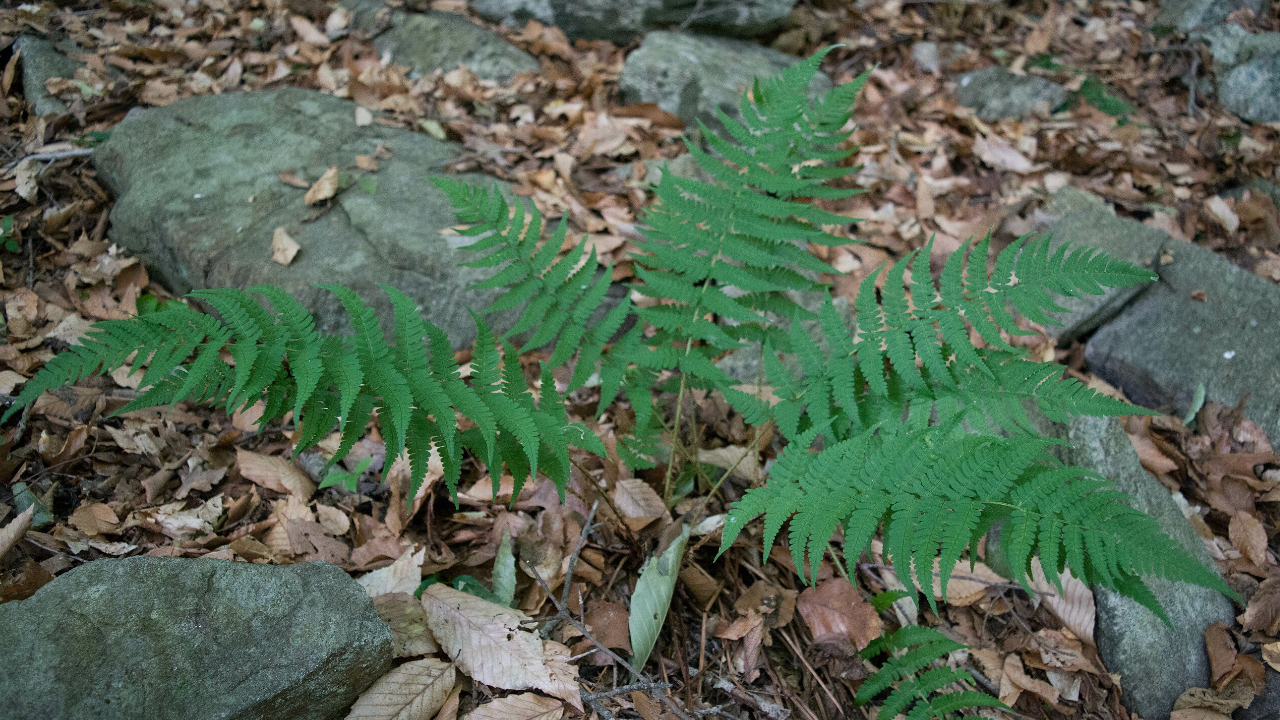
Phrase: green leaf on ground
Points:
(652, 597)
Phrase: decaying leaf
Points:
(412, 691)
(283, 247)
(652, 597)
(836, 613)
(324, 188)
(17, 527)
(525, 706)
(402, 576)
(410, 635)
(275, 473)
(638, 503)
(1263, 612)
(489, 642)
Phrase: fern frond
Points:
(909, 651)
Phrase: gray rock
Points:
(692, 75)
(1084, 220)
(1230, 45)
(1267, 705)
(1250, 89)
(41, 62)
(996, 93)
(199, 196)
(1187, 15)
(169, 638)
(438, 40)
(515, 12)
(624, 21)
(1166, 342)
(1156, 662)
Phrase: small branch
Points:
(643, 686)
(51, 156)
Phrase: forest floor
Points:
(743, 635)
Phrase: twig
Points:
(645, 686)
(51, 156)
(562, 606)
(1191, 84)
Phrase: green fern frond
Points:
(912, 656)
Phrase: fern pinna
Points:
(279, 358)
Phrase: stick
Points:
(51, 156)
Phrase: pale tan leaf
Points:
(95, 519)
(16, 529)
(402, 576)
(1249, 537)
(638, 503)
(1219, 210)
(740, 460)
(335, 521)
(449, 711)
(525, 706)
(324, 188)
(410, 635)
(1270, 651)
(413, 691)
(1074, 605)
(489, 642)
(308, 32)
(283, 248)
(275, 473)
(835, 612)
(966, 585)
(997, 153)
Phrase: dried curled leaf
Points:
(410, 635)
(413, 691)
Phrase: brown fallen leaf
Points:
(95, 519)
(202, 480)
(1271, 655)
(308, 32)
(609, 624)
(324, 188)
(283, 248)
(836, 613)
(402, 576)
(16, 529)
(449, 711)
(1221, 650)
(412, 691)
(639, 504)
(410, 635)
(275, 473)
(1263, 612)
(525, 706)
(1074, 604)
(997, 153)
(1016, 681)
(290, 177)
(489, 642)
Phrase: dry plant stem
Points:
(795, 647)
(51, 156)
(675, 437)
(562, 606)
(642, 686)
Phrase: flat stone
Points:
(1249, 90)
(1167, 341)
(1156, 662)
(174, 639)
(199, 198)
(995, 93)
(41, 62)
(1187, 15)
(692, 75)
(437, 40)
(624, 21)
(1081, 219)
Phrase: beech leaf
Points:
(525, 706)
(413, 691)
(652, 597)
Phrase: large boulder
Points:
(41, 62)
(200, 196)
(995, 93)
(438, 40)
(515, 12)
(691, 75)
(1080, 219)
(622, 22)
(1249, 89)
(170, 638)
(1205, 321)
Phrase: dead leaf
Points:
(310, 34)
(1219, 210)
(609, 624)
(1074, 604)
(997, 153)
(95, 519)
(489, 642)
(283, 248)
(335, 521)
(275, 473)
(26, 173)
(1249, 537)
(289, 176)
(412, 691)
(1016, 681)
(639, 504)
(1270, 652)
(402, 576)
(364, 118)
(525, 706)
(324, 188)
(835, 612)
(16, 529)
(202, 480)
(449, 711)
(410, 636)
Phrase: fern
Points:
(278, 358)
(913, 653)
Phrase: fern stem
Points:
(675, 437)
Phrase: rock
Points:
(41, 62)
(1084, 220)
(199, 197)
(438, 40)
(996, 93)
(1266, 706)
(1187, 15)
(692, 75)
(163, 638)
(624, 21)
(1168, 340)
(515, 12)
(1249, 90)
(1230, 45)
(1156, 662)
